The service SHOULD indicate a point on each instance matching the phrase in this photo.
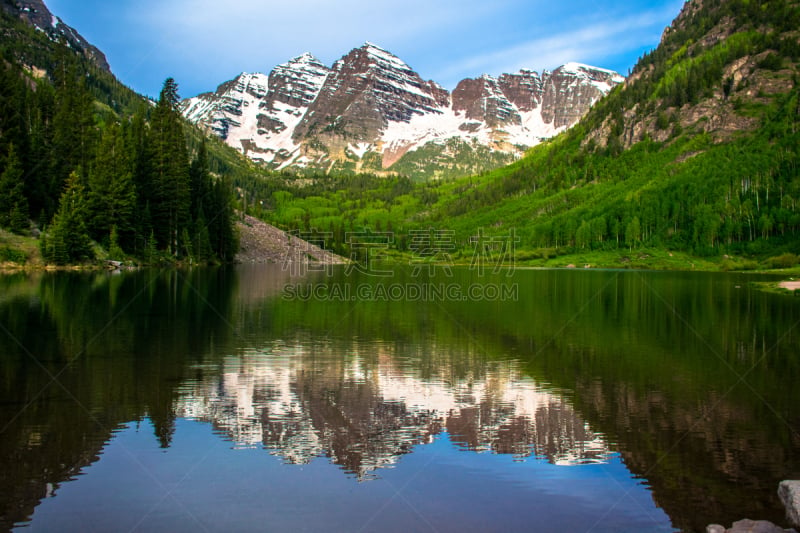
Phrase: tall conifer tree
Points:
(68, 240)
(73, 122)
(169, 171)
(112, 196)
(13, 204)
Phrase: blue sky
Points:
(202, 43)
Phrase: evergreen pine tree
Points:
(150, 250)
(136, 142)
(44, 248)
(123, 206)
(114, 250)
(13, 107)
(99, 220)
(39, 172)
(202, 244)
(73, 122)
(200, 181)
(169, 168)
(111, 195)
(13, 204)
(69, 241)
(222, 222)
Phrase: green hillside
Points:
(93, 170)
(697, 154)
(693, 163)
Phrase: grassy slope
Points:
(572, 200)
(712, 182)
(17, 251)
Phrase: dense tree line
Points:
(82, 172)
(691, 193)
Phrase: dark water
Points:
(245, 399)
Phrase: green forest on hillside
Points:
(691, 193)
(88, 161)
(82, 155)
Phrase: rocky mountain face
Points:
(36, 13)
(258, 114)
(715, 60)
(372, 112)
(571, 90)
(366, 89)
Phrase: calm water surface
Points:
(247, 399)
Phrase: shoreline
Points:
(789, 285)
(783, 287)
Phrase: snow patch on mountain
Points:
(601, 78)
(257, 114)
(304, 113)
(359, 149)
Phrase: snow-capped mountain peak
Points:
(370, 101)
(590, 71)
(381, 55)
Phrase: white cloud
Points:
(587, 44)
(205, 42)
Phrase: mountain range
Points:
(372, 112)
(694, 163)
(695, 152)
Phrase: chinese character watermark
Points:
(366, 250)
(303, 253)
(431, 248)
(433, 251)
(497, 251)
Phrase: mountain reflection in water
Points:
(675, 391)
(365, 409)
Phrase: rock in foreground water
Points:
(748, 526)
(789, 493)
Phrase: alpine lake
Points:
(264, 398)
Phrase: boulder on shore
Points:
(748, 526)
(789, 493)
